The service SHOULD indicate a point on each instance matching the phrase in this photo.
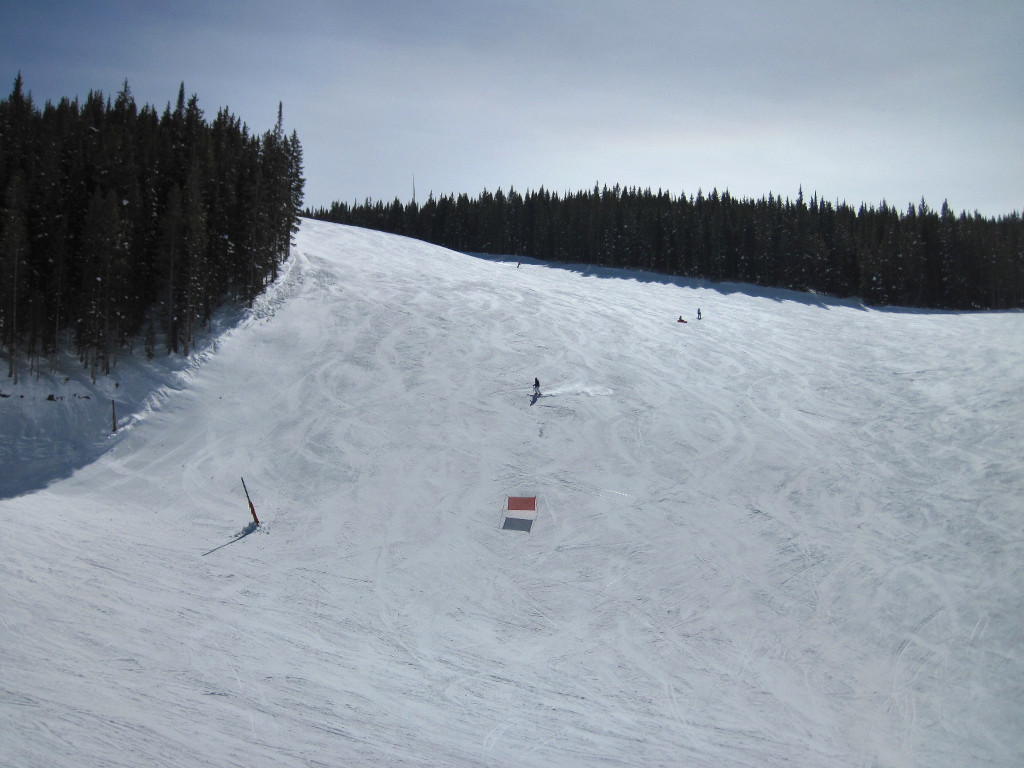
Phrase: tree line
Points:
(118, 222)
(919, 257)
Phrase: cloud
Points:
(869, 100)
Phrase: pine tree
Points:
(107, 209)
(14, 249)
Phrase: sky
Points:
(856, 102)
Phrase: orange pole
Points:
(251, 507)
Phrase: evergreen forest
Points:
(919, 257)
(119, 223)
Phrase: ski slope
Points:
(786, 534)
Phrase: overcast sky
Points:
(857, 101)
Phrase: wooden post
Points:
(251, 507)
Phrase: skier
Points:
(698, 313)
(536, 386)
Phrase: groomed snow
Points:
(787, 534)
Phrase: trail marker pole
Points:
(251, 507)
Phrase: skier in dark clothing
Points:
(536, 386)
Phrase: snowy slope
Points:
(786, 534)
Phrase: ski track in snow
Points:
(787, 534)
